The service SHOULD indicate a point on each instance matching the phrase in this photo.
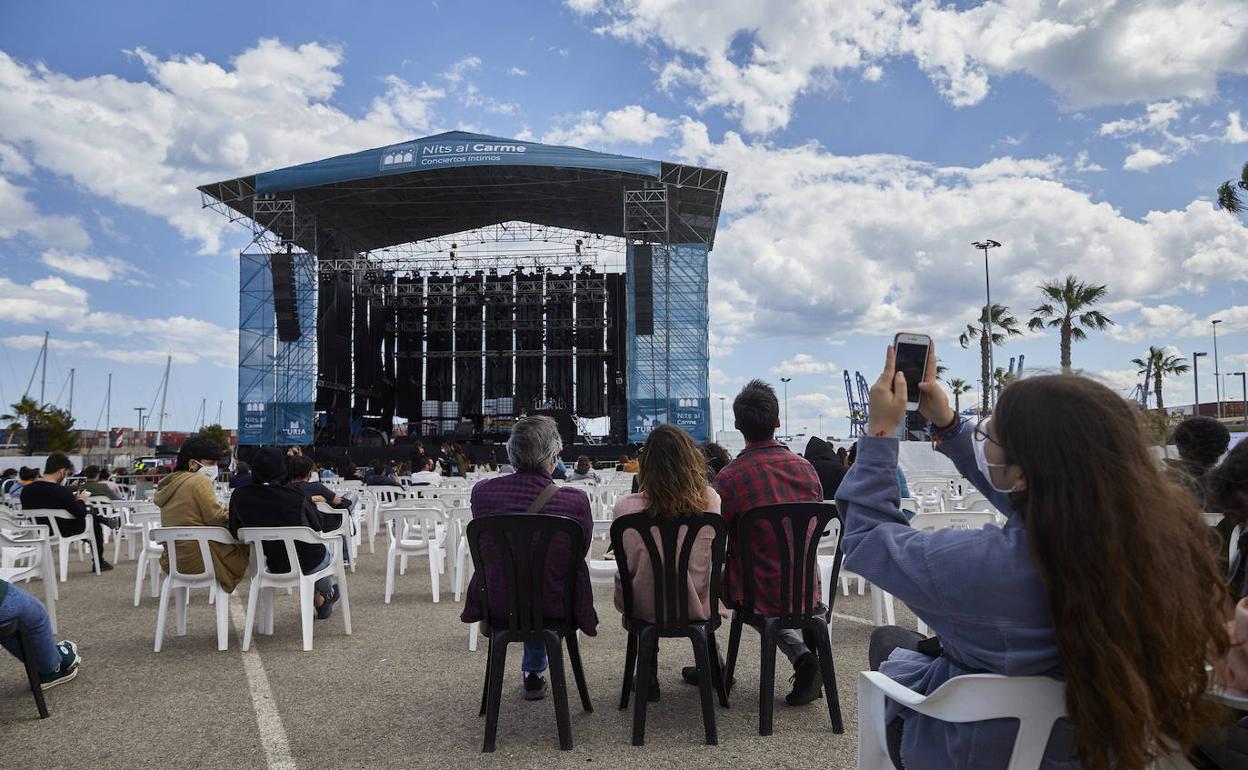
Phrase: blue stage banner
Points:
(294, 423)
(453, 149)
(691, 415)
(255, 423)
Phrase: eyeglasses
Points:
(981, 432)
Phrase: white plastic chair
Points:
(826, 555)
(63, 542)
(263, 580)
(601, 571)
(1036, 702)
(30, 547)
(415, 531)
(953, 520)
(457, 545)
(180, 583)
(149, 553)
(129, 531)
(343, 530)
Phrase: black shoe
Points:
(112, 522)
(534, 686)
(807, 682)
(105, 566)
(327, 608)
(690, 675)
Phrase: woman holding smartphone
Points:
(1103, 575)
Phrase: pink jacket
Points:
(643, 574)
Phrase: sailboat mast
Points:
(71, 391)
(43, 378)
(108, 414)
(164, 392)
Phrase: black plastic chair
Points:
(18, 628)
(521, 542)
(797, 529)
(671, 609)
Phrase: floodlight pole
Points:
(1243, 383)
(1196, 378)
(722, 425)
(786, 381)
(1217, 377)
(984, 245)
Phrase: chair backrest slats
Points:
(670, 566)
(797, 530)
(520, 544)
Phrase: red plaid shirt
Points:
(764, 473)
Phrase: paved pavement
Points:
(402, 691)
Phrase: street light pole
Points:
(821, 425)
(984, 245)
(1243, 383)
(1196, 377)
(1217, 378)
(722, 425)
(786, 381)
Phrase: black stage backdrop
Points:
(410, 371)
(590, 306)
(438, 339)
(528, 340)
(499, 310)
(559, 338)
(468, 301)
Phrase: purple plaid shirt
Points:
(764, 473)
(514, 493)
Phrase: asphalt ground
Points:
(401, 691)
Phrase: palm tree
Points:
(24, 412)
(1067, 308)
(1160, 364)
(958, 386)
(994, 317)
(1228, 193)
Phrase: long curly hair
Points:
(673, 473)
(1133, 583)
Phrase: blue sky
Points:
(867, 145)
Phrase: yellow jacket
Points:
(187, 500)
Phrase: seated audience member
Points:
(25, 477)
(560, 471)
(462, 464)
(628, 464)
(1227, 744)
(842, 456)
(48, 491)
(94, 484)
(1058, 591)
(377, 476)
(8, 481)
(716, 459)
(325, 472)
(532, 448)
(1200, 441)
(56, 662)
(300, 474)
(765, 473)
(241, 476)
(426, 475)
(820, 455)
(187, 498)
(268, 502)
(672, 484)
(584, 471)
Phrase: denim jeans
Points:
(326, 584)
(534, 661)
(21, 605)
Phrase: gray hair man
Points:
(533, 448)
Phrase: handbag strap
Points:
(540, 502)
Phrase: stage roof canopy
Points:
(458, 181)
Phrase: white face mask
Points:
(208, 471)
(978, 444)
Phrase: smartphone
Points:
(911, 360)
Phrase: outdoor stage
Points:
(458, 282)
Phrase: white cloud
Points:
(1235, 131)
(1144, 158)
(896, 253)
(518, 72)
(85, 266)
(21, 218)
(1086, 166)
(754, 59)
(1164, 322)
(628, 125)
(804, 363)
(460, 69)
(194, 121)
(66, 309)
(13, 162)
